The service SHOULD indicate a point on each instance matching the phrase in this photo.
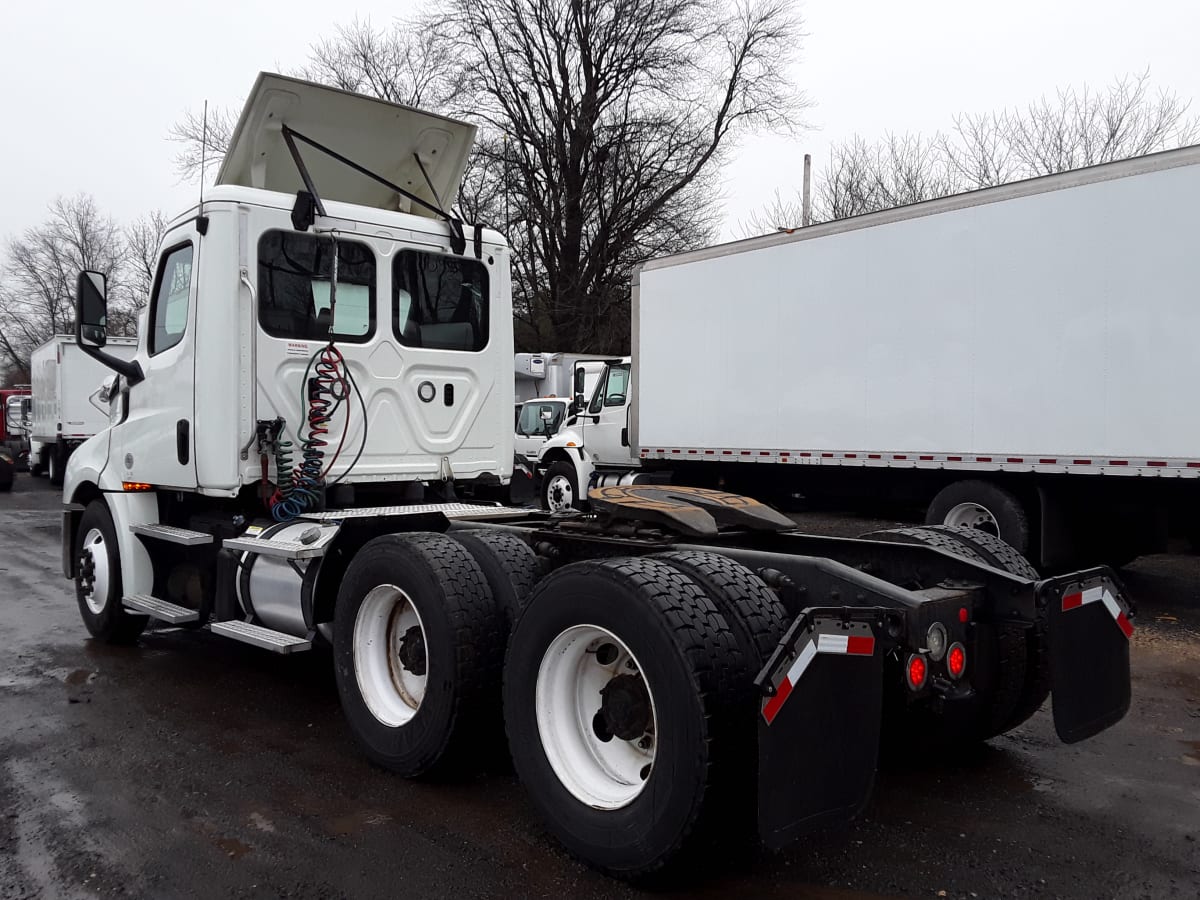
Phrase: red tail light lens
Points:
(956, 660)
(918, 671)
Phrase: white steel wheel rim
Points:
(559, 494)
(96, 597)
(391, 689)
(972, 515)
(602, 774)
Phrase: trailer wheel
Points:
(560, 488)
(1000, 664)
(98, 587)
(1037, 650)
(754, 613)
(509, 565)
(418, 642)
(621, 691)
(984, 506)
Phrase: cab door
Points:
(155, 442)
(606, 434)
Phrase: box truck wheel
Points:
(98, 586)
(560, 488)
(982, 505)
(55, 464)
(620, 702)
(999, 667)
(417, 645)
(509, 565)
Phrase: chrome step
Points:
(172, 534)
(160, 609)
(280, 549)
(276, 641)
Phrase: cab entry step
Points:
(160, 609)
(172, 534)
(275, 641)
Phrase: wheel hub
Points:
(412, 650)
(625, 710)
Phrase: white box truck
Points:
(326, 363)
(70, 400)
(1017, 359)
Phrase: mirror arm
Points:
(131, 369)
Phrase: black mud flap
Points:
(1089, 631)
(818, 732)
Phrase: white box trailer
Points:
(1017, 359)
(68, 407)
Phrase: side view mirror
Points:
(91, 325)
(91, 309)
(580, 381)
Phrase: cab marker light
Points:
(134, 486)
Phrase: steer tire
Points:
(463, 647)
(100, 592)
(56, 464)
(693, 797)
(1004, 507)
(560, 470)
(998, 668)
(1037, 650)
(509, 565)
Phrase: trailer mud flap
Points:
(1089, 633)
(818, 732)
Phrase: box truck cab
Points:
(593, 448)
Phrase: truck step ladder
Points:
(275, 641)
(172, 535)
(160, 609)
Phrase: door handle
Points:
(183, 444)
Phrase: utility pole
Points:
(806, 207)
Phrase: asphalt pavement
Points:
(191, 766)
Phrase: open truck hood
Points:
(380, 136)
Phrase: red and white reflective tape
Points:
(1099, 594)
(852, 644)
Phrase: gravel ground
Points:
(189, 766)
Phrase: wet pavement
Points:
(191, 766)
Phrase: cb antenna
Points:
(201, 219)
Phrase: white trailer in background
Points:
(69, 400)
(1019, 359)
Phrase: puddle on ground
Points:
(232, 847)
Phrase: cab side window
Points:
(296, 299)
(172, 292)
(439, 302)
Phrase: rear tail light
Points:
(917, 671)
(956, 660)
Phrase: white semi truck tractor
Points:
(326, 370)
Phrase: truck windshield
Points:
(541, 418)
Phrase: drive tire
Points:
(560, 488)
(509, 565)
(951, 505)
(1037, 649)
(999, 665)
(98, 587)
(461, 633)
(688, 803)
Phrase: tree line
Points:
(602, 129)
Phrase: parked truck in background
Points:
(552, 374)
(1014, 359)
(70, 400)
(14, 433)
(325, 365)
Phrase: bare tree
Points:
(202, 140)
(142, 239)
(40, 271)
(1077, 128)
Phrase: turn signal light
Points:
(136, 486)
(956, 660)
(918, 671)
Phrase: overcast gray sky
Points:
(88, 89)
